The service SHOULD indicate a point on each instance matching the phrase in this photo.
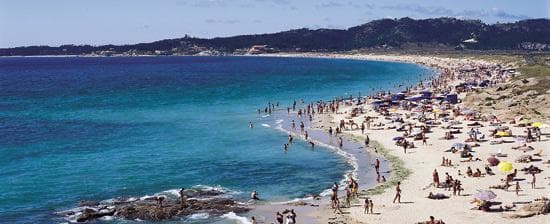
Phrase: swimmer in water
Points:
(250, 125)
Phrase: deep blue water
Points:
(98, 128)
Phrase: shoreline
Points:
(390, 165)
(408, 171)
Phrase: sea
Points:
(96, 128)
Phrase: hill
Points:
(404, 33)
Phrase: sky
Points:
(98, 22)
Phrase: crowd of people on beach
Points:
(414, 113)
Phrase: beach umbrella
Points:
(536, 124)
(397, 138)
(502, 134)
(505, 166)
(458, 145)
(493, 161)
(485, 195)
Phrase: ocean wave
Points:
(199, 216)
(266, 125)
(233, 216)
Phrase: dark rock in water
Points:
(203, 201)
(88, 203)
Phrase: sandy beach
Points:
(420, 161)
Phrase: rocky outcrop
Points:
(212, 202)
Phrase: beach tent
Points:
(451, 98)
(398, 97)
(426, 94)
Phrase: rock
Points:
(535, 208)
(88, 203)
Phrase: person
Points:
(306, 135)
(312, 144)
(424, 141)
(517, 188)
(348, 197)
(337, 206)
(377, 165)
(366, 206)
(290, 139)
(330, 131)
(447, 181)
(253, 220)
(458, 187)
(285, 147)
(533, 180)
(397, 193)
(159, 200)
(293, 215)
(435, 177)
(371, 206)
(367, 141)
(250, 125)
(182, 197)
(279, 218)
(363, 128)
(383, 179)
(254, 195)
(431, 221)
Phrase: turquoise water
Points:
(96, 128)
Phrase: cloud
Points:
(221, 21)
(276, 2)
(330, 4)
(339, 4)
(209, 3)
(469, 13)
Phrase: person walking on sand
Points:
(533, 180)
(253, 220)
(363, 128)
(377, 165)
(367, 141)
(337, 206)
(366, 206)
(279, 218)
(371, 206)
(517, 188)
(435, 177)
(293, 215)
(397, 193)
(424, 141)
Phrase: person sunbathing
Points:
(437, 196)
(477, 173)
(469, 172)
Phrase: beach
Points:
(421, 160)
